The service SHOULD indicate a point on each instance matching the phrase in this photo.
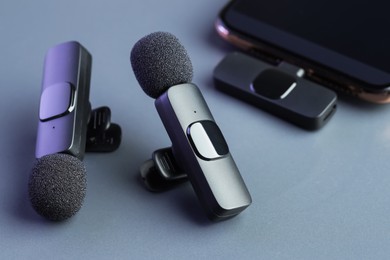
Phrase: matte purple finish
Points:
(54, 136)
(61, 64)
(67, 64)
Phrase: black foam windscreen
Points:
(57, 186)
(160, 61)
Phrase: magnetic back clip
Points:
(102, 135)
(162, 172)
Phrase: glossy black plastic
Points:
(280, 90)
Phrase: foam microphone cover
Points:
(57, 186)
(160, 61)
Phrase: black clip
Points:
(162, 172)
(102, 135)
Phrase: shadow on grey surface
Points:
(184, 200)
(23, 150)
(19, 161)
(19, 131)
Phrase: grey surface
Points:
(316, 195)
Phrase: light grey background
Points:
(316, 195)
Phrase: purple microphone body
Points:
(64, 107)
(163, 69)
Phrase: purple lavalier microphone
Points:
(57, 184)
(67, 129)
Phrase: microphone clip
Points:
(162, 172)
(102, 135)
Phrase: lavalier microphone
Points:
(199, 150)
(67, 128)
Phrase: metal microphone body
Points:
(202, 152)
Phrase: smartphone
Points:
(344, 45)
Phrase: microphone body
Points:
(64, 106)
(202, 152)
